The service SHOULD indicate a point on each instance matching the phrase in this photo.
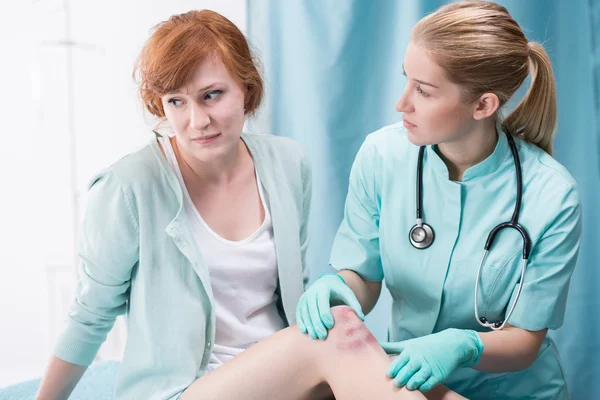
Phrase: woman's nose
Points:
(404, 104)
(199, 118)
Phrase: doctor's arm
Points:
(365, 291)
(355, 252)
(511, 349)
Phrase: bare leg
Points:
(350, 364)
(355, 365)
(356, 345)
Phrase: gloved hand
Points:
(313, 313)
(426, 361)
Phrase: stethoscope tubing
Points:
(425, 231)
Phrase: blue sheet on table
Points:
(98, 383)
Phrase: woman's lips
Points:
(206, 139)
(408, 125)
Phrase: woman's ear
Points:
(486, 106)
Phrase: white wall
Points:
(68, 107)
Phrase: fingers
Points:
(313, 313)
(325, 309)
(397, 365)
(299, 316)
(406, 372)
(392, 347)
(315, 317)
(432, 382)
(419, 378)
(308, 321)
(349, 298)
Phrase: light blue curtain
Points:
(333, 73)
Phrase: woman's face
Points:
(207, 114)
(431, 105)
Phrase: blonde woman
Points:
(427, 196)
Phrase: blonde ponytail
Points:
(535, 117)
(483, 49)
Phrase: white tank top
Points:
(243, 276)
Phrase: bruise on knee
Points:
(350, 333)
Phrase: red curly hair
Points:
(176, 47)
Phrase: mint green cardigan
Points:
(138, 257)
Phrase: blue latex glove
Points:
(313, 313)
(425, 362)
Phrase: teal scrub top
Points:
(433, 289)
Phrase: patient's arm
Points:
(350, 364)
(59, 380)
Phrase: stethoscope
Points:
(422, 235)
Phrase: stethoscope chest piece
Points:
(421, 235)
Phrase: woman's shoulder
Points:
(134, 168)
(278, 146)
(387, 144)
(544, 169)
(389, 133)
(544, 163)
(276, 152)
(545, 179)
(277, 156)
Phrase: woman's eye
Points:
(419, 90)
(175, 102)
(213, 95)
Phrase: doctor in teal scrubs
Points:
(463, 64)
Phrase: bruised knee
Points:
(349, 332)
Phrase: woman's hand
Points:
(313, 313)
(425, 362)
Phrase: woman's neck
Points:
(468, 150)
(220, 172)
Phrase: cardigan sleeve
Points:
(108, 251)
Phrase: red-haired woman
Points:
(200, 237)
